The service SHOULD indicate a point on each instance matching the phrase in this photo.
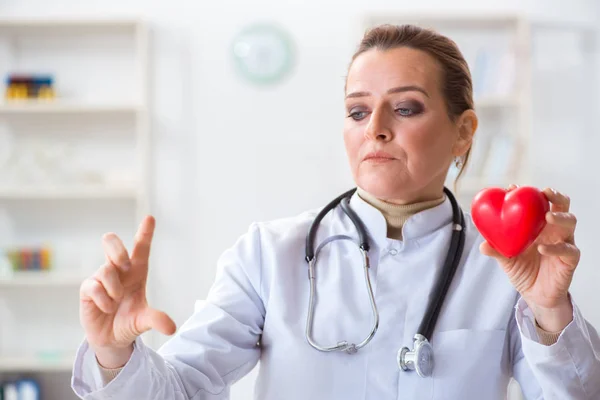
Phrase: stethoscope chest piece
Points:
(419, 359)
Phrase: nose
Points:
(379, 126)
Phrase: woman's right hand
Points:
(113, 308)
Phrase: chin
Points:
(384, 187)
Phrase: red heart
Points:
(510, 220)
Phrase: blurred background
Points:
(212, 115)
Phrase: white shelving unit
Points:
(498, 102)
(70, 25)
(502, 96)
(65, 192)
(36, 365)
(33, 280)
(101, 114)
(32, 108)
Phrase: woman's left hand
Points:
(543, 273)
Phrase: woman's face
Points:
(399, 138)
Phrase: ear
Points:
(466, 125)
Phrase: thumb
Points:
(157, 320)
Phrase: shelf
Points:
(36, 364)
(470, 186)
(55, 192)
(496, 102)
(29, 107)
(456, 20)
(17, 25)
(40, 279)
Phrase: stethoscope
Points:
(420, 358)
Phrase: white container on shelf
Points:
(66, 257)
(9, 334)
(92, 257)
(6, 268)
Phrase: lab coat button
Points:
(393, 252)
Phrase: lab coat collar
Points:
(418, 225)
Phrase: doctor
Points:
(341, 334)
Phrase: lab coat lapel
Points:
(418, 225)
(427, 221)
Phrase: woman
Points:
(409, 116)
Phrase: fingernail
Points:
(113, 240)
(126, 265)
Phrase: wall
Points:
(227, 154)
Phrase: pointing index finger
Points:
(143, 240)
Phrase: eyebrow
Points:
(398, 89)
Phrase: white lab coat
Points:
(257, 308)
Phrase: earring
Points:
(458, 162)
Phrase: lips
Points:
(378, 156)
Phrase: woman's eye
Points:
(405, 112)
(409, 109)
(358, 115)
